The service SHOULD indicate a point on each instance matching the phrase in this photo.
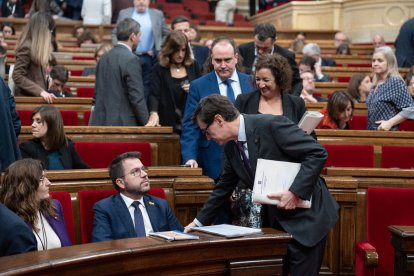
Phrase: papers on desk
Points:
(228, 231)
(272, 177)
(174, 235)
(310, 120)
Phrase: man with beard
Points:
(132, 212)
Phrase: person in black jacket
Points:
(264, 43)
(170, 82)
(12, 8)
(50, 144)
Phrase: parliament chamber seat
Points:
(85, 92)
(350, 156)
(65, 200)
(398, 157)
(70, 117)
(384, 207)
(87, 200)
(100, 154)
(359, 122)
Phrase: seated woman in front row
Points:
(338, 112)
(25, 191)
(50, 144)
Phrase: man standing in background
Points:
(153, 30)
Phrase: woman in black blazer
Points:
(170, 81)
(50, 144)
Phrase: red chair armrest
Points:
(367, 253)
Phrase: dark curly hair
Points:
(280, 68)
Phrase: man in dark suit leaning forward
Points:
(274, 138)
(131, 212)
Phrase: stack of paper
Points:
(228, 231)
(310, 120)
(174, 235)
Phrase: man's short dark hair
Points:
(179, 19)
(264, 31)
(116, 169)
(212, 105)
(60, 73)
(125, 28)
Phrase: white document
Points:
(310, 120)
(272, 177)
(228, 231)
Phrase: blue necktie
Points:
(230, 91)
(139, 220)
(246, 163)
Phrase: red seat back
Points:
(76, 73)
(70, 117)
(86, 117)
(407, 125)
(398, 157)
(85, 92)
(387, 206)
(66, 201)
(359, 122)
(100, 154)
(350, 156)
(87, 200)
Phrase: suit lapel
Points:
(124, 215)
(213, 84)
(150, 206)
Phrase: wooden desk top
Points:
(370, 172)
(210, 254)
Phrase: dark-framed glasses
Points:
(205, 130)
(137, 172)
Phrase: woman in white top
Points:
(25, 191)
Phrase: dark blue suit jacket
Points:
(16, 237)
(194, 145)
(200, 54)
(113, 221)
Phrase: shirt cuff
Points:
(199, 224)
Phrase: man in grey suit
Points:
(250, 137)
(153, 30)
(119, 93)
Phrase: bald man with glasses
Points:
(131, 212)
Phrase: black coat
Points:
(69, 156)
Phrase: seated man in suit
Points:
(131, 212)
(16, 235)
(58, 78)
(264, 43)
(199, 53)
(308, 83)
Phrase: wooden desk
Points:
(403, 241)
(210, 255)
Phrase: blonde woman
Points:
(32, 55)
(389, 102)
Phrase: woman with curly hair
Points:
(273, 81)
(25, 191)
(170, 82)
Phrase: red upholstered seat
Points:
(87, 200)
(85, 92)
(398, 157)
(384, 207)
(65, 199)
(359, 122)
(100, 154)
(76, 73)
(82, 58)
(407, 125)
(70, 117)
(86, 117)
(350, 156)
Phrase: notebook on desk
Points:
(228, 231)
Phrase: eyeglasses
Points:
(205, 130)
(43, 178)
(137, 172)
(308, 79)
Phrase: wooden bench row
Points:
(187, 190)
